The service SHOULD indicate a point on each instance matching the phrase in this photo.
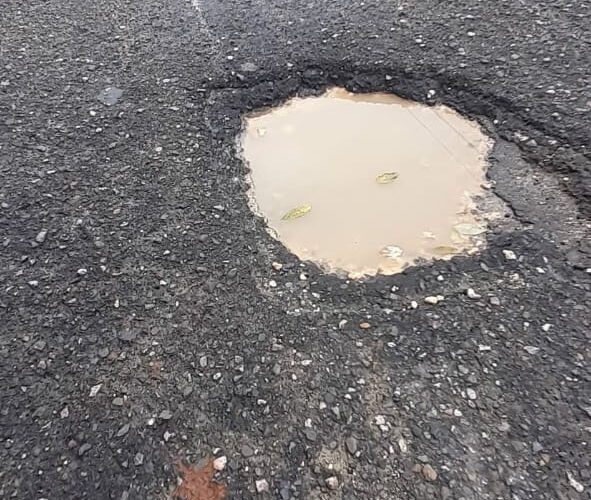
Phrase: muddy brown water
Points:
(367, 183)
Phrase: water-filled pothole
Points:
(368, 183)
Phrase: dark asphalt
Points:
(137, 324)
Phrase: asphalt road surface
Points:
(138, 321)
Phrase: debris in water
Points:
(198, 483)
(444, 250)
(387, 177)
(296, 213)
(392, 252)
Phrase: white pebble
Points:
(262, 485)
(471, 393)
(433, 299)
(94, 390)
(219, 463)
(574, 483)
(509, 254)
(380, 420)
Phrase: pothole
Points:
(369, 183)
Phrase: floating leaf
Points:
(392, 252)
(469, 229)
(297, 212)
(387, 177)
(445, 250)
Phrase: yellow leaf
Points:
(445, 250)
(387, 177)
(297, 212)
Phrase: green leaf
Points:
(296, 213)
(387, 177)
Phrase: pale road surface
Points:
(137, 323)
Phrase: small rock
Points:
(246, 451)
(39, 345)
(494, 301)
(165, 415)
(414, 304)
(402, 445)
(273, 284)
(41, 235)
(332, 483)
(546, 327)
(433, 299)
(94, 390)
(138, 459)
(65, 413)
(531, 349)
(110, 96)
(310, 435)
(84, 448)
(128, 335)
(429, 473)
(574, 483)
(117, 402)
(364, 325)
(505, 427)
(471, 393)
(509, 254)
(203, 361)
(33, 283)
(277, 266)
(82, 272)
(472, 294)
(248, 67)
(123, 430)
(219, 463)
(262, 485)
(351, 444)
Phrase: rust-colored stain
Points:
(198, 483)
